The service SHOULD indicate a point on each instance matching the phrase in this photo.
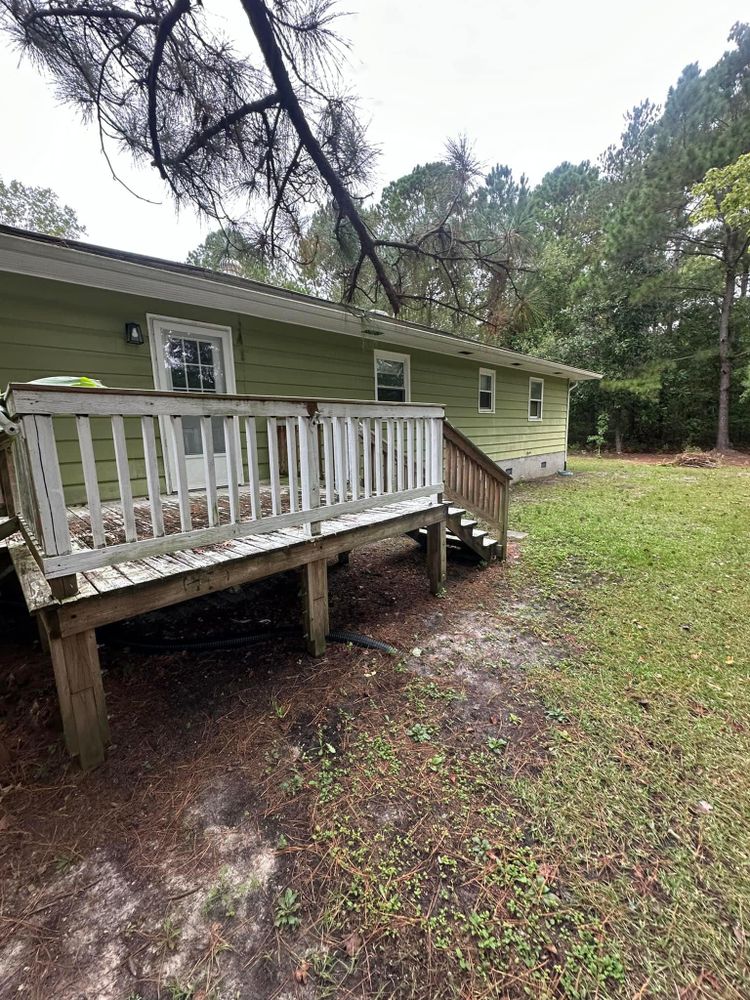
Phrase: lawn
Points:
(646, 804)
(544, 794)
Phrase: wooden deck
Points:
(307, 480)
(171, 567)
(109, 594)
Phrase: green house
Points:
(65, 308)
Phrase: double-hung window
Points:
(536, 398)
(392, 377)
(486, 390)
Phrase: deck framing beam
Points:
(106, 608)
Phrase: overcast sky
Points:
(531, 83)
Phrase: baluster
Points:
(391, 458)
(181, 477)
(91, 481)
(234, 468)
(253, 470)
(419, 449)
(291, 453)
(152, 476)
(367, 457)
(377, 455)
(339, 446)
(273, 464)
(123, 477)
(399, 454)
(328, 459)
(352, 429)
(209, 470)
(410, 452)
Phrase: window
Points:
(189, 356)
(391, 377)
(486, 390)
(536, 398)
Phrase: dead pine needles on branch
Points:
(254, 139)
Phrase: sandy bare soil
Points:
(164, 868)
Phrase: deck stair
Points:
(477, 490)
(465, 535)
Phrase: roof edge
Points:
(87, 264)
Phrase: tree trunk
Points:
(725, 358)
(618, 433)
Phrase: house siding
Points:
(54, 328)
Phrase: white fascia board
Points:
(469, 350)
(84, 267)
(78, 267)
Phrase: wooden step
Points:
(464, 534)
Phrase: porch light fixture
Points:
(133, 333)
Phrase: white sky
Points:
(531, 83)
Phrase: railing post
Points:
(49, 497)
(436, 449)
(504, 510)
(310, 465)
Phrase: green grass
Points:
(553, 842)
(646, 568)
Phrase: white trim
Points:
(223, 333)
(493, 375)
(393, 356)
(538, 419)
(79, 264)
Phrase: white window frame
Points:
(493, 376)
(538, 419)
(392, 356)
(195, 328)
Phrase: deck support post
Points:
(315, 605)
(78, 677)
(436, 557)
(63, 586)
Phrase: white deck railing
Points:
(340, 456)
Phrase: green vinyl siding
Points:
(53, 328)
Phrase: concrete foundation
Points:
(533, 466)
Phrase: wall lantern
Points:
(133, 333)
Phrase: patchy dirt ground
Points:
(259, 808)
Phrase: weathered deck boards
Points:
(109, 579)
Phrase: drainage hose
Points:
(238, 641)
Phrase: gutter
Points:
(112, 270)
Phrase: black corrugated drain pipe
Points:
(118, 638)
